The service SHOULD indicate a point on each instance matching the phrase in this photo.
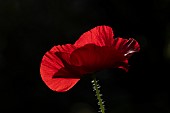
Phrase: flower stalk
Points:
(98, 95)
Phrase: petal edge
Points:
(100, 36)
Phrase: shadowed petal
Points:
(100, 36)
(94, 58)
(76, 71)
(51, 66)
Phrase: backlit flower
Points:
(63, 66)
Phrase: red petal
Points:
(52, 66)
(126, 47)
(100, 35)
(75, 70)
(94, 58)
(67, 48)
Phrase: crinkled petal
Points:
(94, 58)
(100, 36)
(53, 69)
(126, 46)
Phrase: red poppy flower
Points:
(63, 66)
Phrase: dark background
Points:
(29, 28)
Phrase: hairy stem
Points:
(98, 95)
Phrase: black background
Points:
(29, 28)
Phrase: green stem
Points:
(96, 88)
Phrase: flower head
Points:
(63, 66)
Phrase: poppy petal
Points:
(67, 48)
(94, 58)
(100, 36)
(126, 46)
(51, 66)
(76, 71)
